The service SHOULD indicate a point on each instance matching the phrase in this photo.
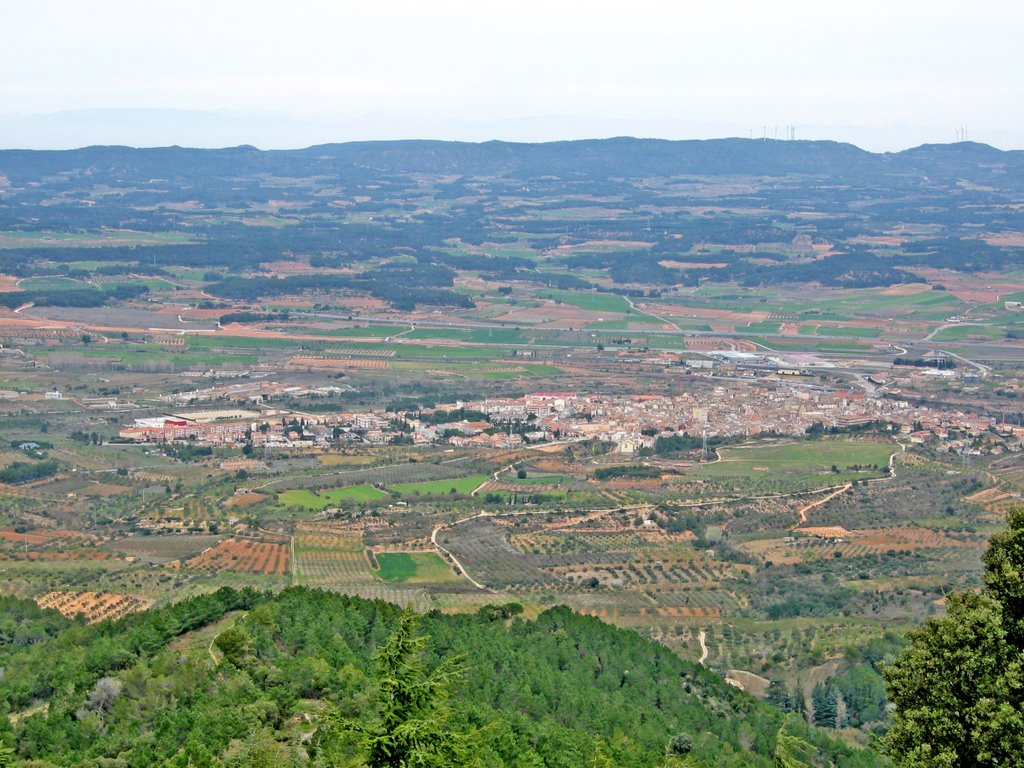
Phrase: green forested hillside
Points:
(244, 678)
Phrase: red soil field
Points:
(243, 556)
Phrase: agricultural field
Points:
(461, 485)
(391, 476)
(164, 549)
(413, 567)
(336, 559)
(94, 606)
(485, 551)
(243, 556)
(669, 303)
(317, 501)
(805, 460)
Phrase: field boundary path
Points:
(209, 648)
(843, 489)
(291, 543)
(455, 560)
(495, 475)
(483, 513)
(651, 314)
(805, 509)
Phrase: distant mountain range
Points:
(585, 159)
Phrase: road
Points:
(632, 306)
(702, 639)
(984, 370)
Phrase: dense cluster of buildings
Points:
(630, 423)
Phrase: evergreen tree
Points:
(959, 687)
(791, 751)
(412, 729)
(824, 700)
(778, 696)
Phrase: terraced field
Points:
(243, 556)
(94, 606)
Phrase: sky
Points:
(885, 75)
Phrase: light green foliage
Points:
(412, 728)
(791, 751)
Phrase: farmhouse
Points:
(830, 532)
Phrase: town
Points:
(790, 405)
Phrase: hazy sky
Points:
(900, 71)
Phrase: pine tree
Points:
(779, 696)
(824, 706)
(411, 729)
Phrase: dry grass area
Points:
(38, 535)
(859, 543)
(104, 489)
(337, 460)
(95, 606)
(909, 289)
(987, 496)
(331, 363)
(982, 287)
(245, 499)
(1011, 239)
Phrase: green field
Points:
(836, 305)
(206, 341)
(965, 332)
(152, 284)
(441, 487)
(142, 356)
(330, 498)
(51, 284)
(850, 331)
(594, 302)
(806, 456)
(398, 567)
(43, 239)
(471, 335)
(357, 331)
(804, 344)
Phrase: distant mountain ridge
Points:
(622, 157)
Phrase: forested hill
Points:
(584, 159)
(245, 678)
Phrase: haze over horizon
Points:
(882, 76)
